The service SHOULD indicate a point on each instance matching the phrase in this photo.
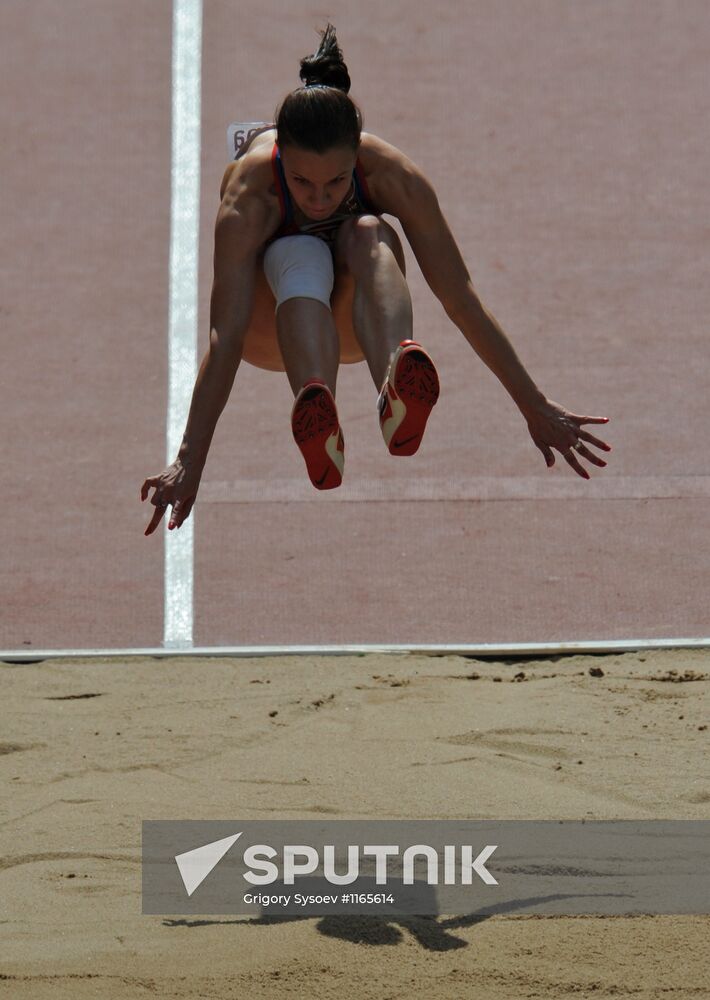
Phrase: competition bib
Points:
(240, 133)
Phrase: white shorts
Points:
(299, 267)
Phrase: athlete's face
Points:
(318, 182)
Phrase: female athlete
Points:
(307, 274)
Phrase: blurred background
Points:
(565, 143)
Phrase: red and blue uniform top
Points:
(356, 202)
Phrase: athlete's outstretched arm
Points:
(240, 231)
(414, 202)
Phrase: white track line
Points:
(530, 489)
(484, 650)
(182, 319)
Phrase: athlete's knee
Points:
(360, 231)
(362, 241)
(299, 267)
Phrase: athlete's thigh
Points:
(344, 287)
(341, 304)
(261, 345)
(359, 231)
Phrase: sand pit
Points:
(90, 748)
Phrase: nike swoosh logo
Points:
(390, 424)
(401, 444)
(334, 453)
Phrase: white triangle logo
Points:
(196, 865)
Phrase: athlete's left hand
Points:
(552, 426)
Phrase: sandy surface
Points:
(90, 748)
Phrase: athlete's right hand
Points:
(177, 485)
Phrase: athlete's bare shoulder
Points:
(387, 170)
(373, 148)
(248, 186)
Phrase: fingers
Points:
(597, 442)
(175, 520)
(181, 509)
(590, 456)
(569, 457)
(158, 482)
(150, 481)
(553, 426)
(570, 454)
(588, 420)
(181, 512)
(156, 519)
(547, 454)
(159, 504)
(165, 489)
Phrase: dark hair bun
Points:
(326, 65)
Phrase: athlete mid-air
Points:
(308, 275)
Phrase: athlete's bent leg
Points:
(299, 270)
(401, 369)
(308, 341)
(382, 305)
